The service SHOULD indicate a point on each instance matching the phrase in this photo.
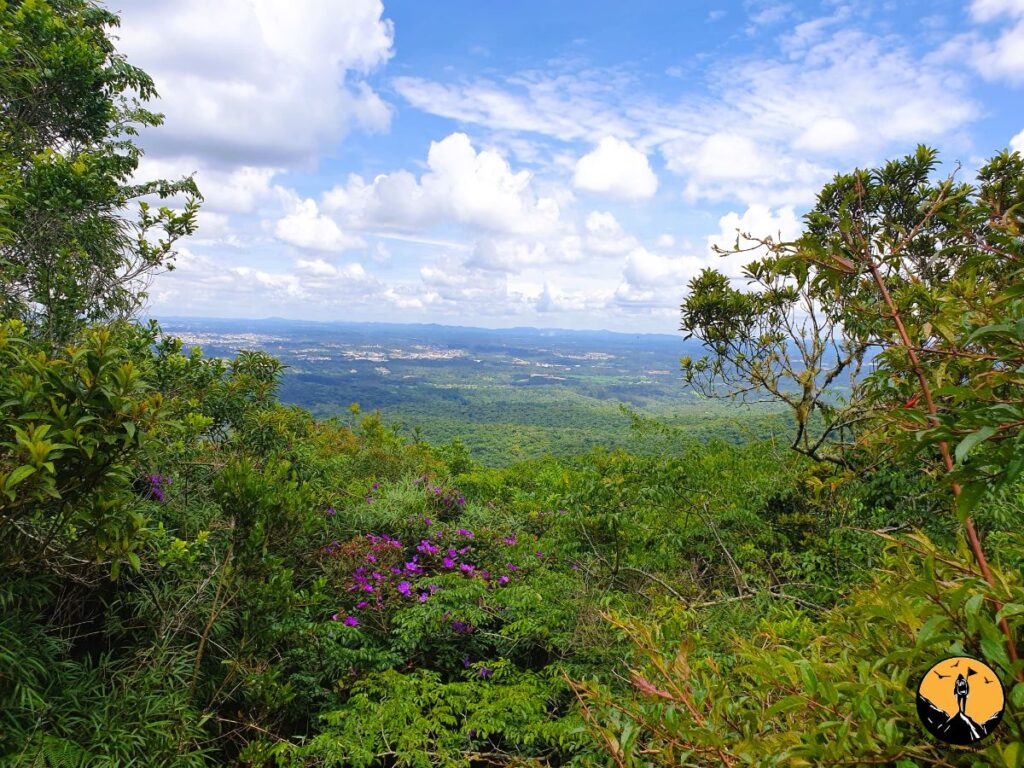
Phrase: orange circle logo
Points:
(960, 700)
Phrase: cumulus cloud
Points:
(617, 169)
(606, 236)
(758, 221)
(320, 268)
(1001, 56)
(645, 269)
(306, 227)
(240, 189)
(515, 254)
(258, 82)
(828, 134)
(1017, 142)
(477, 189)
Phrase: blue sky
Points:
(558, 164)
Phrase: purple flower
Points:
(372, 558)
(335, 617)
(362, 604)
(510, 540)
(466, 663)
(331, 511)
(539, 554)
(461, 627)
(376, 576)
(156, 486)
(448, 563)
(352, 621)
(464, 532)
(466, 567)
(503, 580)
(427, 548)
(472, 733)
(428, 522)
(513, 567)
(405, 588)
(484, 671)
(423, 596)
(375, 486)
(369, 499)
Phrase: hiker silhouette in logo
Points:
(961, 689)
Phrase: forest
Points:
(195, 574)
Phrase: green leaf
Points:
(18, 475)
(965, 445)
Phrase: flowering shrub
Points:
(380, 573)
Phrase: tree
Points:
(926, 276)
(69, 109)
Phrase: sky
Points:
(536, 163)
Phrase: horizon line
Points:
(273, 318)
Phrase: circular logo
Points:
(960, 700)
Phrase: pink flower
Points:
(352, 621)
(448, 563)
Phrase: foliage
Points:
(69, 107)
(192, 573)
(834, 690)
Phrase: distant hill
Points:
(507, 393)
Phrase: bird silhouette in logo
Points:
(954, 710)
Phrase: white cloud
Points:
(730, 165)
(258, 82)
(241, 189)
(516, 254)
(1002, 56)
(320, 268)
(828, 134)
(606, 236)
(757, 221)
(306, 227)
(1017, 142)
(618, 169)
(988, 10)
(477, 189)
(721, 156)
(769, 130)
(645, 269)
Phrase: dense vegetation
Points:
(192, 573)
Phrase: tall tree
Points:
(70, 107)
(928, 276)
